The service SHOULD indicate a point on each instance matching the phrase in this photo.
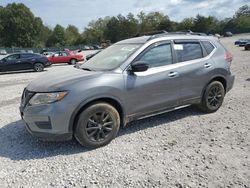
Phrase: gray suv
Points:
(130, 80)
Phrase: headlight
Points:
(47, 98)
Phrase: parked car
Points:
(228, 34)
(65, 57)
(23, 61)
(130, 80)
(88, 57)
(247, 46)
(217, 35)
(30, 51)
(241, 42)
(3, 52)
(47, 54)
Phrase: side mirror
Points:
(53, 55)
(139, 66)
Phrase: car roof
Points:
(145, 39)
(20, 53)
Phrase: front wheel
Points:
(213, 97)
(38, 67)
(97, 125)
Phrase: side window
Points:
(56, 54)
(64, 54)
(26, 55)
(187, 51)
(158, 56)
(13, 57)
(208, 46)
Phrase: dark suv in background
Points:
(23, 61)
(130, 80)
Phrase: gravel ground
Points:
(184, 148)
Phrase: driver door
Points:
(12, 63)
(157, 88)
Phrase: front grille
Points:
(27, 95)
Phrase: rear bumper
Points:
(48, 64)
(230, 82)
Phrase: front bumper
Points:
(47, 122)
(46, 136)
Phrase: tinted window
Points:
(208, 46)
(187, 51)
(26, 55)
(158, 56)
(13, 57)
(63, 54)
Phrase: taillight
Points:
(229, 57)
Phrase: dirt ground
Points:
(184, 148)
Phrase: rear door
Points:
(195, 68)
(27, 61)
(60, 57)
(65, 57)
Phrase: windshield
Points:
(110, 58)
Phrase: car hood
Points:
(57, 81)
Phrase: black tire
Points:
(38, 67)
(72, 61)
(97, 125)
(213, 97)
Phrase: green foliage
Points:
(20, 28)
(243, 11)
(57, 38)
(72, 36)
(94, 33)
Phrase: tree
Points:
(94, 33)
(72, 35)
(19, 27)
(186, 24)
(243, 11)
(205, 24)
(57, 38)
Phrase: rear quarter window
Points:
(208, 46)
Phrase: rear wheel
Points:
(213, 97)
(38, 67)
(72, 61)
(97, 125)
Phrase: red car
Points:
(65, 57)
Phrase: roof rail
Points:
(175, 33)
(151, 33)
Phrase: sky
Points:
(81, 12)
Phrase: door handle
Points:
(207, 65)
(173, 74)
(19, 61)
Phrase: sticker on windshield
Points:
(178, 47)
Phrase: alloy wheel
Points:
(99, 126)
(215, 97)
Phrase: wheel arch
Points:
(73, 58)
(219, 78)
(110, 100)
